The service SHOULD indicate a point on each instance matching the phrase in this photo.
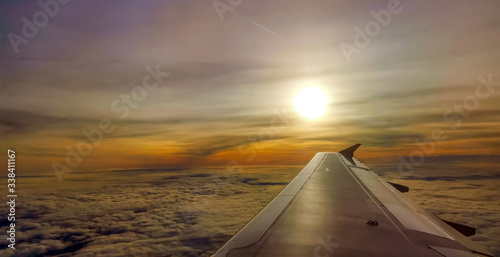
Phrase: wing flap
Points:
(464, 229)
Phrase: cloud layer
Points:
(193, 212)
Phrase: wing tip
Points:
(348, 153)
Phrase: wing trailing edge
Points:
(463, 229)
(400, 188)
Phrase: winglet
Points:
(348, 153)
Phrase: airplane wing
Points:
(337, 206)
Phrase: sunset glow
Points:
(311, 102)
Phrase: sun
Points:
(311, 102)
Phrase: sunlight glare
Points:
(311, 102)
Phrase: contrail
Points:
(260, 26)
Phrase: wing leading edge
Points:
(336, 206)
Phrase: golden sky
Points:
(228, 96)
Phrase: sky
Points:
(179, 84)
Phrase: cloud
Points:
(150, 218)
(457, 188)
(116, 213)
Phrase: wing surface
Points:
(337, 206)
